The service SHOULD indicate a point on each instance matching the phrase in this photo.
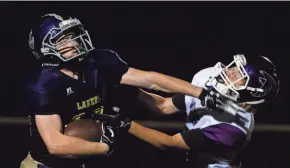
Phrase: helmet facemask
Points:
(220, 81)
(57, 38)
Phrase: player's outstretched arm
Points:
(194, 140)
(158, 104)
(153, 137)
(156, 138)
(160, 82)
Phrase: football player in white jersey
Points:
(219, 124)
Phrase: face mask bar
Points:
(239, 62)
(221, 83)
(49, 47)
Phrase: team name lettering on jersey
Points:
(88, 103)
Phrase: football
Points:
(88, 129)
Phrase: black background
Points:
(174, 38)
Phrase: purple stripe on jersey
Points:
(225, 134)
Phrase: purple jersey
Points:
(50, 91)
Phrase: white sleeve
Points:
(199, 79)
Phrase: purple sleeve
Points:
(197, 141)
(41, 93)
(110, 63)
(225, 134)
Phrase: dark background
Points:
(175, 38)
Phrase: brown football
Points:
(87, 129)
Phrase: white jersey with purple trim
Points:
(192, 103)
(208, 122)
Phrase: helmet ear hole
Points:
(220, 80)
